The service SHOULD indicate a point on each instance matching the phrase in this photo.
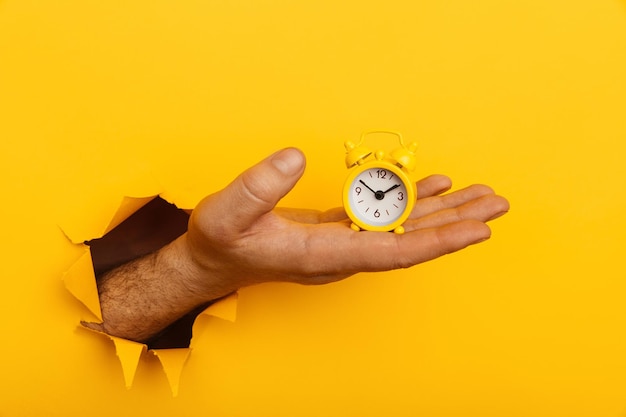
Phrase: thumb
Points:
(255, 192)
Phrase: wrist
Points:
(205, 280)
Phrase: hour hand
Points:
(392, 188)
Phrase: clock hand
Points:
(378, 194)
(367, 186)
(392, 188)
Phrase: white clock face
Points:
(378, 196)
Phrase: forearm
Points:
(142, 297)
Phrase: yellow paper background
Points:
(528, 96)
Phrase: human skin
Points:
(237, 238)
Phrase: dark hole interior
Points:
(147, 230)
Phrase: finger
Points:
(345, 252)
(433, 185)
(310, 216)
(253, 193)
(485, 208)
(336, 214)
(299, 215)
(403, 251)
(429, 205)
(427, 244)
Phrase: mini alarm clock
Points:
(378, 194)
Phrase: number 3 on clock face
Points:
(378, 197)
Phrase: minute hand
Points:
(367, 186)
(392, 188)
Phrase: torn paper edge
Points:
(80, 281)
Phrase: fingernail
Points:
(288, 161)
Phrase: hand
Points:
(237, 237)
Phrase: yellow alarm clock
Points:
(378, 194)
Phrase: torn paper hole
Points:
(80, 281)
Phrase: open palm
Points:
(240, 235)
